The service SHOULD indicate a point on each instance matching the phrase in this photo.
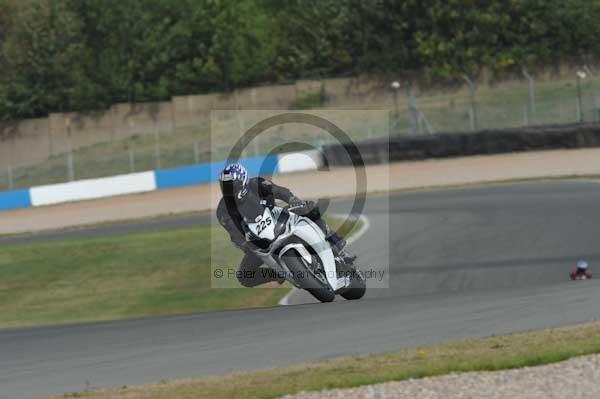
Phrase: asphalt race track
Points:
(464, 263)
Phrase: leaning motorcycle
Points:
(296, 248)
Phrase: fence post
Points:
(473, 109)
(593, 91)
(525, 117)
(196, 152)
(579, 75)
(423, 121)
(395, 86)
(531, 95)
(413, 111)
(156, 145)
(10, 177)
(70, 168)
(256, 145)
(131, 161)
(472, 119)
(242, 127)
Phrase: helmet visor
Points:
(231, 188)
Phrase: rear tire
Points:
(309, 282)
(357, 289)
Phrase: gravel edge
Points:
(577, 378)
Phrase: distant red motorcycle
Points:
(581, 271)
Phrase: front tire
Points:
(357, 289)
(308, 281)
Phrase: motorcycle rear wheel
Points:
(356, 290)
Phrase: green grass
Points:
(121, 277)
(136, 275)
(487, 354)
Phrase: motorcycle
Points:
(580, 274)
(296, 248)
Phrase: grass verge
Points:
(495, 353)
(117, 277)
(121, 277)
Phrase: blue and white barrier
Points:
(209, 172)
(153, 180)
(93, 188)
(14, 199)
(300, 161)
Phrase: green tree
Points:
(43, 62)
(60, 55)
(309, 38)
(231, 47)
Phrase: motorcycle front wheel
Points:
(307, 280)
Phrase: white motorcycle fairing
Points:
(302, 228)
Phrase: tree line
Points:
(78, 55)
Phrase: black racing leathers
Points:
(261, 192)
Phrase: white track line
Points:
(352, 239)
(366, 224)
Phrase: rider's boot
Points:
(337, 245)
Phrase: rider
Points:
(582, 268)
(239, 191)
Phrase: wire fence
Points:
(527, 104)
(524, 103)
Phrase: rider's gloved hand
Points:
(296, 202)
